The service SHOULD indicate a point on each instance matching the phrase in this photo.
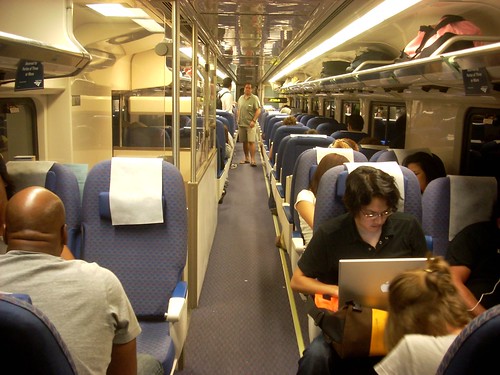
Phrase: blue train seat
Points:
(231, 122)
(59, 179)
(476, 348)
(281, 133)
(303, 120)
(332, 187)
(148, 136)
(271, 120)
(288, 216)
(313, 122)
(220, 142)
(399, 154)
(370, 150)
(147, 255)
(355, 136)
(30, 343)
(327, 128)
(451, 203)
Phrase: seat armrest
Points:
(428, 240)
(297, 250)
(177, 303)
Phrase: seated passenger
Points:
(427, 167)
(371, 228)
(286, 109)
(6, 192)
(85, 302)
(306, 199)
(229, 142)
(426, 313)
(345, 143)
(354, 130)
(474, 258)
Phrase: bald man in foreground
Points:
(85, 302)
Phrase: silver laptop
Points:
(366, 281)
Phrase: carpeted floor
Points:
(243, 324)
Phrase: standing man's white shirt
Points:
(227, 99)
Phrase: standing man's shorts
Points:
(247, 134)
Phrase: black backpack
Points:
(218, 101)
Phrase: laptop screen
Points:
(366, 281)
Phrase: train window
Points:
(350, 108)
(388, 123)
(315, 105)
(18, 135)
(330, 108)
(481, 143)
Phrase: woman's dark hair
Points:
(327, 162)
(365, 183)
(431, 164)
(9, 185)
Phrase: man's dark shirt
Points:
(477, 247)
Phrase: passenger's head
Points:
(367, 184)
(312, 131)
(424, 301)
(355, 122)
(345, 143)
(35, 221)
(328, 161)
(427, 167)
(290, 120)
(286, 109)
(226, 82)
(248, 88)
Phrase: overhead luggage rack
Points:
(442, 70)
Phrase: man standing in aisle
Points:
(246, 117)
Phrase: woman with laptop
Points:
(371, 228)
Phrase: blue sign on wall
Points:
(29, 76)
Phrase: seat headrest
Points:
(105, 210)
(341, 184)
(136, 200)
(322, 151)
(389, 167)
(31, 173)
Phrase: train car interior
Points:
(87, 84)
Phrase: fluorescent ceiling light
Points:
(149, 24)
(220, 74)
(377, 15)
(118, 10)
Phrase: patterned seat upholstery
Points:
(446, 210)
(30, 344)
(281, 133)
(476, 348)
(149, 259)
